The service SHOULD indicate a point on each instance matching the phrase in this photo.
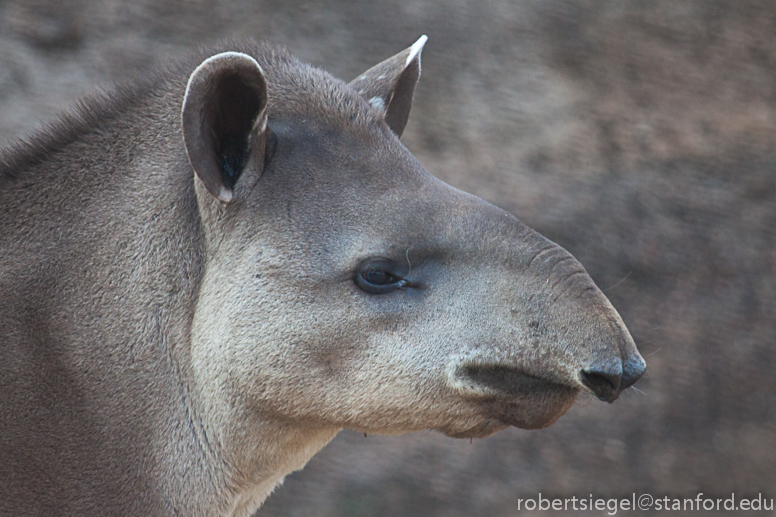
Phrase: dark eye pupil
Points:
(377, 277)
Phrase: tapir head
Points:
(345, 286)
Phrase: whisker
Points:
(618, 283)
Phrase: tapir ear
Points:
(224, 119)
(389, 85)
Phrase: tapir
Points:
(208, 272)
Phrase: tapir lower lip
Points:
(502, 380)
(512, 395)
(507, 380)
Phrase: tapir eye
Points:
(379, 279)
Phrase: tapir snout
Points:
(609, 360)
(558, 333)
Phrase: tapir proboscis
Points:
(207, 273)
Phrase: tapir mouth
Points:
(512, 395)
(506, 380)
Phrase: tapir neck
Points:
(250, 444)
(258, 461)
(97, 294)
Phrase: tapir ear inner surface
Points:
(224, 119)
(390, 85)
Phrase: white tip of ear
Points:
(261, 122)
(377, 103)
(415, 49)
(225, 195)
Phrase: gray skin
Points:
(208, 273)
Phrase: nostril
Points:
(605, 385)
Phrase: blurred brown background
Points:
(641, 136)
